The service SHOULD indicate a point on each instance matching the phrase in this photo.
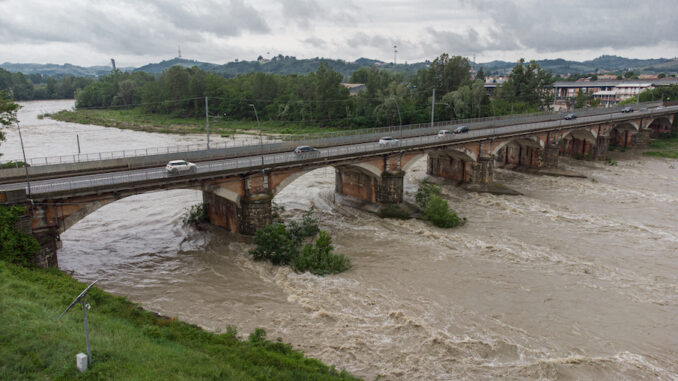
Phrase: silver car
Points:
(176, 167)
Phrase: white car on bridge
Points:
(386, 140)
(175, 167)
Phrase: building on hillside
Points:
(354, 88)
(610, 92)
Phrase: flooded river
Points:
(576, 279)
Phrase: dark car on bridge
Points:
(305, 150)
(627, 109)
(461, 130)
(570, 116)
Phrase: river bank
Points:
(128, 343)
(137, 120)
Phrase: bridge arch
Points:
(580, 134)
(660, 125)
(523, 141)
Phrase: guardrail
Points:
(352, 136)
(327, 156)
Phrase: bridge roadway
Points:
(325, 156)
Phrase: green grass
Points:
(136, 119)
(664, 148)
(127, 342)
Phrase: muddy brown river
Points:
(575, 279)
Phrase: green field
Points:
(136, 119)
(127, 342)
(664, 148)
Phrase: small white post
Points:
(81, 362)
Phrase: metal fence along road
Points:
(329, 155)
(252, 145)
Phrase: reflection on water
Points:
(576, 279)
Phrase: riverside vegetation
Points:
(281, 244)
(174, 101)
(436, 209)
(128, 343)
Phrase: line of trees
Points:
(36, 86)
(319, 98)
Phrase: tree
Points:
(8, 111)
(480, 74)
(527, 83)
(628, 74)
(661, 75)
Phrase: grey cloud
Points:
(470, 42)
(305, 12)
(579, 24)
(127, 26)
(315, 42)
(363, 40)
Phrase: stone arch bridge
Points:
(238, 192)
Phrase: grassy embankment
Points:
(128, 343)
(136, 119)
(664, 148)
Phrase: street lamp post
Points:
(395, 100)
(207, 123)
(261, 139)
(28, 182)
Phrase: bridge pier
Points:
(550, 155)
(641, 139)
(386, 189)
(474, 172)
(242, 215)
(390, 187)
(49, 244)
(601, 148)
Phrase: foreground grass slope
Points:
(128, 343)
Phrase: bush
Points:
(197, 214)
(15, 246)
(394, 211)
(425, 191)
(317, 258)
(281, 245)
(13, 164)
(276, 244)
(438, 212)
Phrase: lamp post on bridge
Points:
(28, 181)
(261, 140)
(395, 100)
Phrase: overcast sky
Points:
(90, 32)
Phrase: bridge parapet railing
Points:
(252, 146)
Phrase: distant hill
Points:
(291, 65)
(603, 63)
(54, 70)
(157, 68)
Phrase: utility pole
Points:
(77, 137)
(395, 50)
(28, 182)
(207, 122)
(433, 105)
(261, 141)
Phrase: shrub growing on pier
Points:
(197, 214)
(282, 245)
(436, 209)
(318, 257)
